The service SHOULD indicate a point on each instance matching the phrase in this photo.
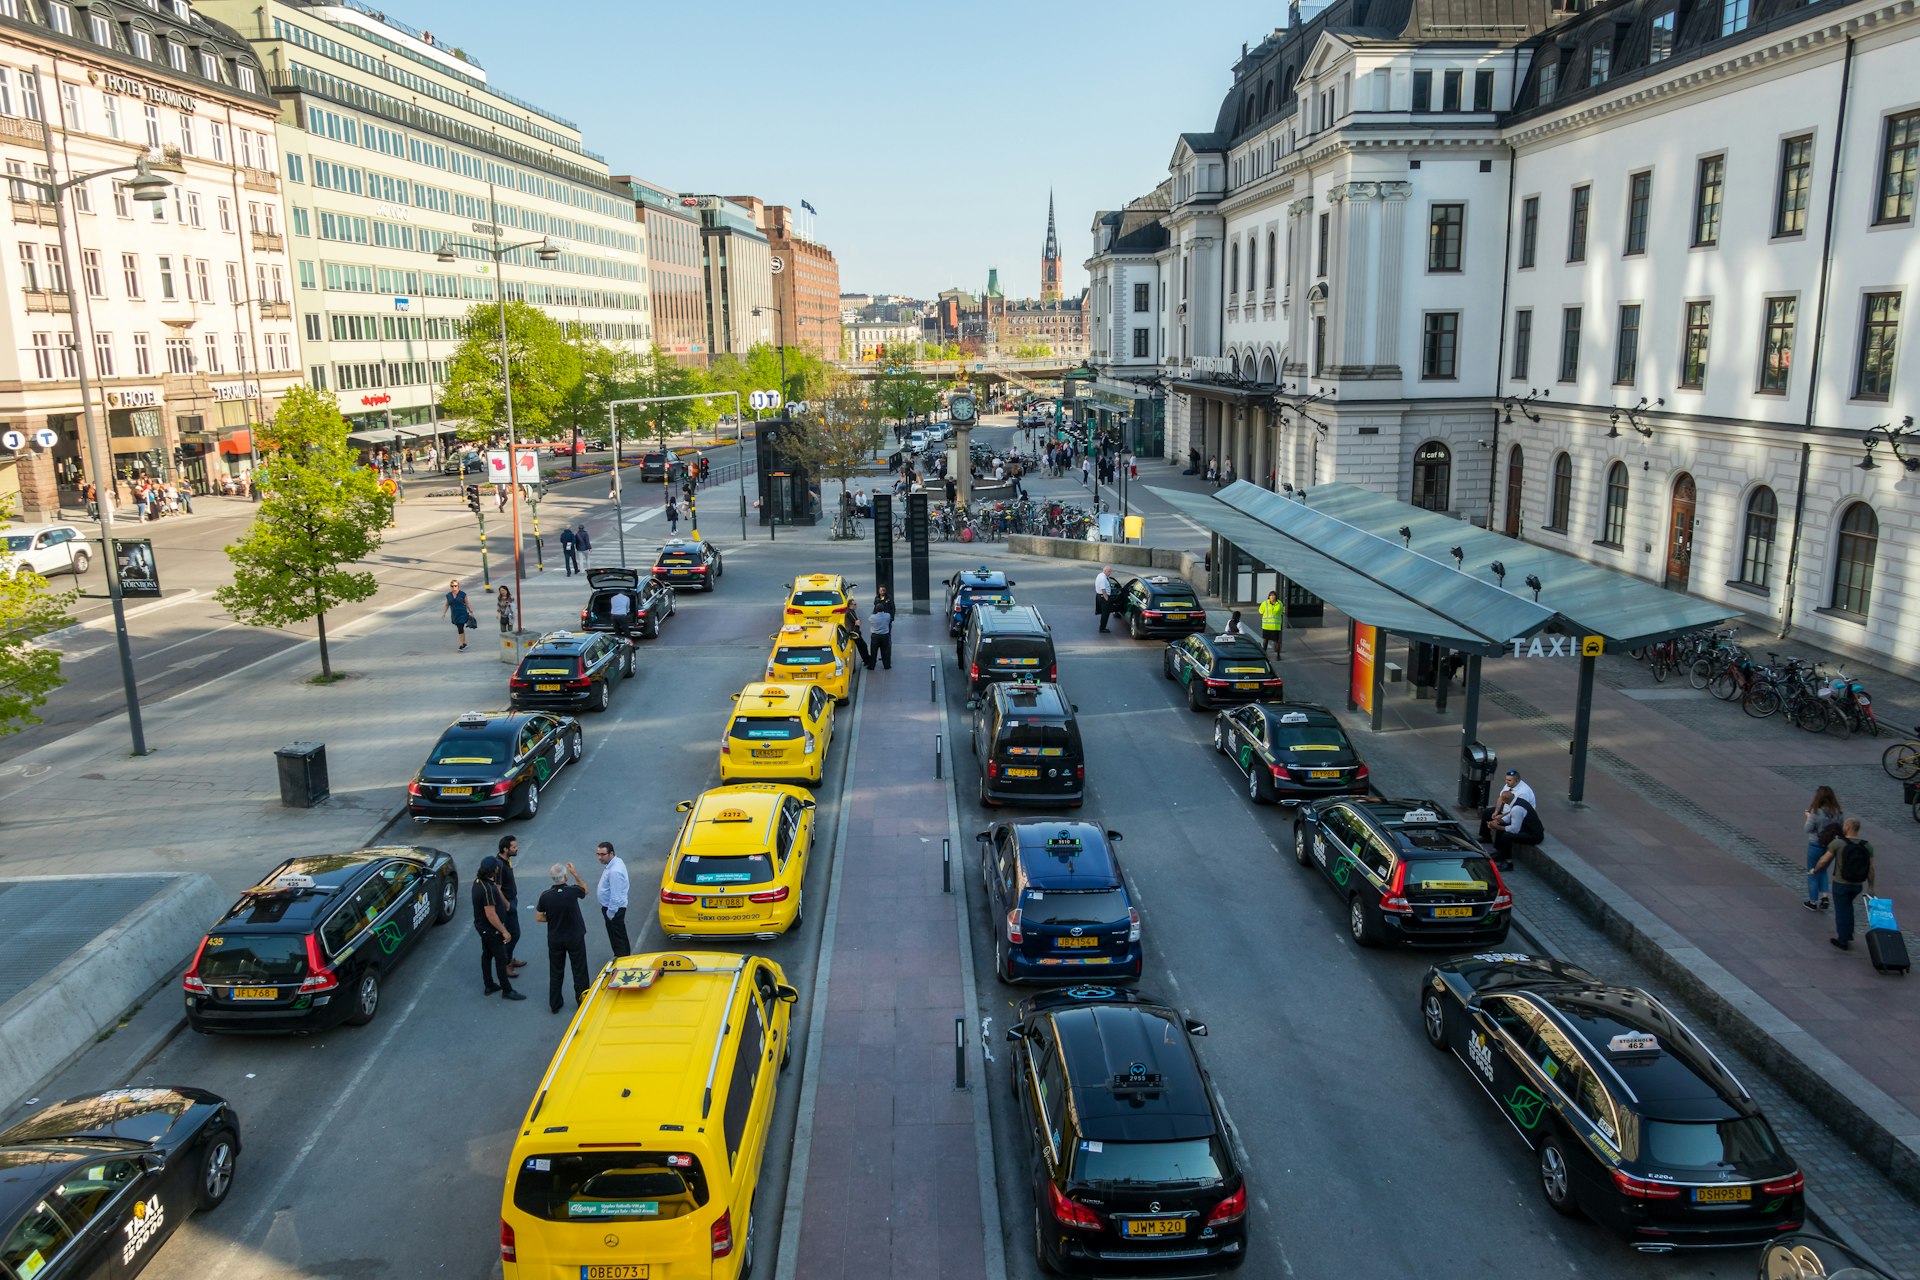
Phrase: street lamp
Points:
(147, 187)
(259, 405)
(547, 251)
(786, 392)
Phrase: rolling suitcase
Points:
(1887, 948)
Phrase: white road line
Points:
(187, 664)
(189, 640)
(106, 620)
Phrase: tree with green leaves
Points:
(320, 513)
(841, 431)
(28, 673)
(906, 395)
(598, 372)
(543, 364)
(1029, 350)
(659, 374)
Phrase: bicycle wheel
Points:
(1841, 722)
(1901, 760)
(1809, 714)
(1637, 654)
(1700, 674)
(1663, 666)
(1724, 686)
(1762, 700)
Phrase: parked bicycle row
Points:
(1800, 692)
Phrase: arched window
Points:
(1432, 476)
(1253, 259)
(1516, 489)
(1270, 245)
(1853, 567)
(1756, 539)
(1562, 499)
(1266, 100)
(1269, 373)
(1615, 533)
(1233, 276)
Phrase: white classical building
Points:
(1448, 254)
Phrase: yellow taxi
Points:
(640, 1154)
(778, 733)
(816, 652)
(820, 597)
(737, 868)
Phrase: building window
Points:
(152, 114)
(1660, 37)
(1233, 274)
(1432, 476)
(1450, 90)
(1319, 343)
(248, 80)
(1445, 226)
(1483, 90)
(166, 279)
(179, 355)
(56, 269)
(1614, 534)
(1599, 62)
(187, 146)
(1776, 351)
(142, 43)
(212, 342)
(101, 27)
(1141, 348)
(1639, 198)
(1693, 344)
(130, 272)
(1439, 352)
(43, 356)
(1879, 341)
(1626, 360)
(1423, 91)
(210, 67)
(90, 273)
(225, 208)
(61, 17)
(103, 355)
(1577, 224)
(193, 209)
(142, 356)
(1706, 201)
(1561, 499)
(1756, 540)
(1141, 296)
(1853, 567)
(69, 356)
(1549, 81)
(176, 55)
(1796, 179)
(1897, 160)
(1734, 15)
(1529, 229)
(1271, 242)
(217, 136)
(1522, 343)
(70, 104)
(1569, 344)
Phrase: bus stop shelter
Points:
(1429, 577)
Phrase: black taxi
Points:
(307, 948)
(1132, 1161)
(1221, 669)
(624, 603)
(688, 564)
(570, 670)
(489, 766)
(1290, 752)
(1027, 740)
(1407, 872)
(1632, 1119)
(1160, 606)
(975, 586)
(1058, 903)
(91, 1187)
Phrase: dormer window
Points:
(176, 55)
(101, 27)
(248, 80)
(1599, 62)
(142, 43)
(1549, 80)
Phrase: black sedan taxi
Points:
(1132, 1161)
(1217, 670)
(1059, 904)
(1160, 606)
(626, 604)
(1407, 872)
(689, 564)
(91, 1187)
(490, 765)
(308, 947)
(975, 586)
(1634, 1122)
(570, 670)
(1290, 752)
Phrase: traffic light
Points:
(473, 498)
(179, 456)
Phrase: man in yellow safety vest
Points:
(1273, 622)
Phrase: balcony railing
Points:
(269, 241)
(259, 180)
(44, 300)
(276, 310)
(39, 212)
(21, 129)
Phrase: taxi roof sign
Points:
(286, 882)
(732, 815)
(1634, 1044)
(471, 718)
(1294, 717)
(1422, 814)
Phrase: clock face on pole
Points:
(962, 408)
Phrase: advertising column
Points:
(1360, 667)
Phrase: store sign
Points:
(1432, 453)
(235, 390)
(146, 398)
(382, 398)
(157, 93)
(701, 202)
(1212, 364)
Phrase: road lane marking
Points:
(187, 664)
(106, 620)
(189, 640)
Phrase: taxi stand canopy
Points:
(1344, 544)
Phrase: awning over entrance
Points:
(237, 444)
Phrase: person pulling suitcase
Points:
(1851, 860)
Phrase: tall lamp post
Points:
(259, 405)
(547, 251)
(147, 187)
(786, 392)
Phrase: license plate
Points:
(1178, 617)
(1247, 684)
(1076, 942)
(613, 1271)
(1155, 1227)
(1023, 773)
(546, 688)
(256, 993)
(1451, 913)
(715, 904)
(456, 791)
(773, 753)
(1323, 774)
(1722, 1195)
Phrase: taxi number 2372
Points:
(148, 1217)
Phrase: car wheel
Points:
(606, 696)
(529, 799)
(576, 746)
(1040, 1257)
(1556, 1179)
(217, 1161)
(1259, 789)
(366, 998)
(449, 898)
(1219, 736)
(653, 626)
(627, 665)
(1134, 628)
(80, 562)
(1193, 698)
(799, 910)
(1358, 923)
(1300, 844)
(1000, 960)
(1433, 1016)
(1166, 664)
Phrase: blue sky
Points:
(926, 135)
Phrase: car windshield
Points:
(1073, 906)
(1192, 1162)
(253, 957)
(1439, 874)
(612, 1186)
(1744, 1143)
(816, 599)
(802, 656)
(1036, 740)
(708, 871)
(467, 747)
(765, 728)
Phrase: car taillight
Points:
(191, 978)
(1216, 684)
(583, 618)
(501, 787)
(319, 977)
(507, 1251)
(673, 899)
(1502, 899)
(1787, 1186)
(839, 667)
(1080, 771)
(1232, 1209)
(1071, 1213)
(726, 745)
(1360, 773)
(1280, 773)
(771, 895)
(1013, 927)
(1150, 613)
(641, 614)
(723, 1234)
(1393, 900)
(1053, 673)
(1643, 1188)
(809, 750)
(973, 672)
(792, 612)
(413, 788)
(993, 769)
(518, 683)
(1133, 924)
(769, 673)
(580, 682)
(696, 568)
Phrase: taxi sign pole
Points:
(1590, 649)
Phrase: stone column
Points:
(1393, 222)
(1357, 245)
(39, 484)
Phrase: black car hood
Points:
(133, 1115)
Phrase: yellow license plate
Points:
(1178, 617)
(256, 993)
(1247, 684)
(456, 791)
(1323, 773)
(613, 1271)
(1156, 1227)
(1451, 913)
(1076, 942)
(1722, 1195)
(720, 903)
(1023, 773)
(546, 688)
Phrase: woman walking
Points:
(1825, 821)
(503, 601)
(456, 609)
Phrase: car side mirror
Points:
(984, 837)
(787, 993)
(1196, 1028)
(1115, 835)
(1016, 1032)
(1075, 707)
(683, 806)
(1012, 583)
(809, 804)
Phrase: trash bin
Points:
(1477, 763)
(303, 774)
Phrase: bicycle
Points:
(1902, 759)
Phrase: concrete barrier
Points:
(1191, 565)
(52, 1021)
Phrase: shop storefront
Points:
(1137, 412)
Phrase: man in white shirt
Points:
(612, 895)
(1102, 595)
(1520, 788)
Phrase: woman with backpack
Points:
(1825, 819)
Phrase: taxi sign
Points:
(1160, 578)
(631, 977)
(1294, 717)
(1592, 646)
(1634, 1043)
(1420, 815)
(773, 693)
(470, 718)
(732, 815)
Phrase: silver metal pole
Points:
(499, 254)
(619, 518)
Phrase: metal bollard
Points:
(946, 865)
(936, 755)
(960, 1052)
(932, 683)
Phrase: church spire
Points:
(1050, 259)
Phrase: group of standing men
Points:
(496, 917)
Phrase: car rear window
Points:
(253, 957)
(536, 666)
(469, 748)
(816, 599)
(709, 871)
(1193, 1162)
(1440, 874)
(1035, 740)
(802, 656)
(1307, 737)
(765, 728)
(1073, 906)
(1243, 668)
(652, 458)
(679, 557)
(19, 542)
(1743, 1143)
(1015, 651)
(612, 1186)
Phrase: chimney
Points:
(1293, 13)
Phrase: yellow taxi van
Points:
(739, 864)
(819, 597)
(777, 733)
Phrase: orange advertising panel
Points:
(1360, 670)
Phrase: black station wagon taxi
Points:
(1407, 872)
(490, 765)
(1290, 752)
(1223, 669)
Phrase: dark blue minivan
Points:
(1058, 905)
